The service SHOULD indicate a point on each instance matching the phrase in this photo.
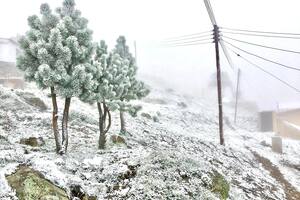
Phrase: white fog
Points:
(125, 105)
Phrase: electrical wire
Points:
(259, 45)
(189, 35)
(263, 32)
(191, 44)
(265, 59)
(265, 71)
(186, 42)
(262, 35)
(189, 38)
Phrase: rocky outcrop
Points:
(32, 185)
(33, 141)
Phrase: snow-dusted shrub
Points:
(81, 118)
(220, 186)
(171, 175)
(56, 51)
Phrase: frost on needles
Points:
(58, 54)
(134, 89)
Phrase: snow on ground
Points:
(173, 157)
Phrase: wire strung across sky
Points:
(205, 37)
(200, 39)
(191, 41)
(259, 45)
(261, 35)
(189, 38)
(262, 32)
(188, 44)
(263, 70)
(194, 35)
(265, 59)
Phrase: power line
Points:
(259, 45)
(264, 32)
(184, 39)
(249, 83)
(269, 73)
(190, 44)
(186, 42)
(265, 71)
(189, 35)
(262, 35)
(265, 59)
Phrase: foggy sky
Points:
(187, 68)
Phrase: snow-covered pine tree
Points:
(56, 52)
(110, 72)
(104, 92)
(135, 89)
(33, 45)
(77, 72)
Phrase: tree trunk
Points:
(54, 121)
(102, 138)
(109, 117)
(103, 112)
(65, 137)
(122, 122)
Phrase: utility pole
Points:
(237, 94)
(219, 84)
(216, 41)
(135, 54)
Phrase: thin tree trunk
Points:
(103, 112)
(65, 137)
(109, 118)
(54, 121)
(122, 122)
(102, 138)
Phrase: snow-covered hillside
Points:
(170, 152)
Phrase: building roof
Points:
(282, 107)
(12, 40)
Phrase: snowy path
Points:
(290, 191)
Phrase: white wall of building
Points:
(8, 50)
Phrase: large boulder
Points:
(33, 141)
(116, 139)
(32, 185)
(32, 100)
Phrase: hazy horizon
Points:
(149, 22)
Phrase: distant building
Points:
(10, 76)
(9, 49)
(285, 121)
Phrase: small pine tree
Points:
(111, 79)
(56, 52)
(135, 89)
(78, 39)
(33, 45)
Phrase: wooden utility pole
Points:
(219, 83)
(237, 94)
